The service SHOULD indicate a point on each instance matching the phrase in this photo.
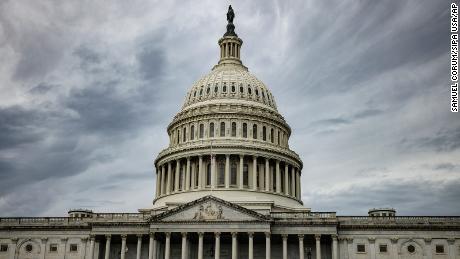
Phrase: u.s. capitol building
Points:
(229, 186)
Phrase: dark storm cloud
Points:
(18, 126)
(439, 197)
(444, 140)
(151, 63)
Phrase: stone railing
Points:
(303, 215)
(397, 220)
(57, 221)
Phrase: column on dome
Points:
(284, 237)
(168, 181)
(213, 172)
(176, 176)
(193, 174)
(200, 173)
(187, 175)
(251, 245)
(157, 181)
(318, 246)
(254, 172)
(292, 192)
(107, 246)
(286, 178)
(241, 180)
(278, 177)
(227, 171)
(168, 245)
(297, 189)
(267, 175)
(301, 249)
(163, 182)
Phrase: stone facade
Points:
(228, 186)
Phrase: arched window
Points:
(245, 130)
(201, 92)
(208, 174)
(211, 129)
(178, 137)
(192, 132)
(222, 129)
(241, 88)
(184, 134)
(278, 137)
(249, 89)
(208, 90)
(233, 87)
(216, 88)
(233, 129)
(224, 88)
(194, 94)
(233, 167)
(201, 130)
(257, 92)
(264, 133)
(181, 177)
(272, 135)
(221, 174)
(254, 131)
(245, 175)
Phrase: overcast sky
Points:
(87, 89)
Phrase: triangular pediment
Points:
(209, 208)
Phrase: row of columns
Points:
(184, 246)
(164, 185)
(230, 49)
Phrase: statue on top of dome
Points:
(230, 26)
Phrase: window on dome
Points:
(192, 132)
(245, 175)
(245, 130)
(201, 130)
(201, 92)
(278, 137)
(233, 87)
(208, 174)
(249, 89)
(233, 167)
(241, 88)
(224, 88)
(184, 134)
(216, 88)
(208, 90)
(222, 129)
(211, 129)
(263, 94)
(221, 180)
(178, 137)
(233, 129)
(254, 131)
(272, 135)
(257, 92)
(264, 133)
(194, 94)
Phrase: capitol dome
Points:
(229, 141)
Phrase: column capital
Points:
(14, 239)
(108, 236)
(342, 238)
(200, 234)
(188, 159)
(92, 236)
(427, 240)
(184, 234)
(44, 239)
(284, 236)
(124, 236)
(140, 235)
(394, 240)
(241, 156)
(349, 239)
(277, 161)
(301, 236)
(451, 241)
(152, 234)
(250, 234)
(371, 240)
(83, 239)
(267, 234)
(227, 155)
(168, 234)
(217, 234)
(334, 237)
(234, 234)
(64, 239)
(318, 237)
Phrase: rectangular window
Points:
(233, 173)
(53, 248)
(201, 131)
(383, 248)
(360, 248)
(245, 175)
(245, 130)
(439, 249)
(3, 248)
(73, 248)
